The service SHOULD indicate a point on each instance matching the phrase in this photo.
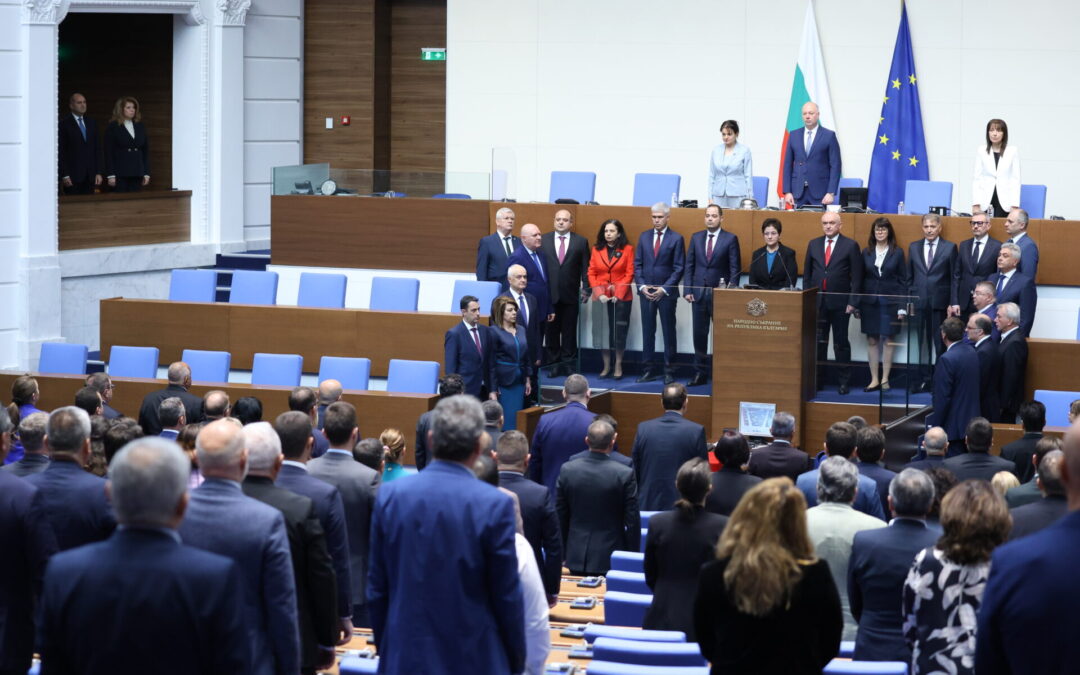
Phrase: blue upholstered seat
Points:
(577, 185)
(250, 287)
(413, 377)
(321, 290)
(280, 369)
(484, 291)
(207, 366)
(920, 195)
(193, 285)
(64, 358)
(625, 609)
(133, 361)
(351, 372)
(394, 294)
(650, 188)
(644, 653)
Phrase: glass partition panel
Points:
(311, 179)
(503, 174)
(303, 179)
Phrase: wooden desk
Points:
(124, 219)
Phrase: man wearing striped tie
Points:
(78, 151)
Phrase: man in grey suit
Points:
(934, 273)
(32, 435)
(223, 520)
(661, 446)
(358, 485)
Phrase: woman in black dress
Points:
(885, 279)
(127, 150)
(773, 266)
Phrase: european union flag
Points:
(900, 147)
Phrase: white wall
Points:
(11, 72)
(273, 91)
(625, 86)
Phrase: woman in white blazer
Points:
(730, 169)
(997, 172)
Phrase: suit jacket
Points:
(927, 463)
(675, 549)
(956, 389)
(817, 173)
(222, 520)
(421, 453)
(971, 272)
(440, 515)
(330, 511)
(779, 458)
(559, 434)
(491, 258)
(784, 273)
(989, 374)
(1030, 518)
(731, 175)
(844, 273)
(890, 281)
(75, 504)
(702, 274)
(77, 157)
(1020, 451)
(1026, 607)
(866, 498)
(313, 570)
(109, 412)
(939, 286)
(728, 487)
(148, 412)
(1003, 175)
(612, 275)
(879, 565)
(29, 542)
(538, 284)
(664, 269)
(566, 279)
(1014, 355)
(140, 598)
(534, 328)
(126, 156)
(30, 464)
(1029, 256)
(979, 465)
(1021, 290)
(358, 485)
(991, 313)
(598, 512)
(1023, 494)
(541, 526)
(615, 455)
(511, 358)
(462, 357)
(661, 446)
(881, 477)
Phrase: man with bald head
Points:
(531, 257)
(530, 312)
(494, 249)
(78, 150)
(179, 383)
(1027, 623)
(215, 405)
(811, 162)
(329, 392)
(223, 520)
(934, 443)
(567, 256)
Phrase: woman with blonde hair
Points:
(393, 445)
(127, 149)
(767, 604)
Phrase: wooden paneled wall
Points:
(106, 56)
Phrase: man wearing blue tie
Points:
(77, 150)
(811, 162)
(1016, 225)
(658, 268)
(529, 256)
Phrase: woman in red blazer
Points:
(611, 277)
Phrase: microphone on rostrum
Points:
(787, 272)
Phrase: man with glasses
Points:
(984, 301)
(978, 260)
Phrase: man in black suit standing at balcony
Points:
(77, 150)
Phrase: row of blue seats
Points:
(388, 294)
(404, 376)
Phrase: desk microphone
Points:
(783, 265)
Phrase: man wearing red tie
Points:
(834, 266)
(567, 256)
(712, 261)
(468, 349)
(658, 268)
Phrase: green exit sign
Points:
(433, 53)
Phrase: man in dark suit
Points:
(141, 599)
(934, 443)
(329, 392)
(78, 150)
(540, 524)
(313, 570)
(530, 314)
(103, 385)
(811, 162)
(780, 458)
(74, 499)
(306, 400)
(467, 348)
(493, 423)
(730, 483)
(712, 261)
(1026, 625)
(358, 485)
(978, 259)
(840, 441)
(25, 530)
(1029, 492)
(870, 448)
(494, 249)
(934, 274)
(222, 520)
(1031, 518)
(977, 462)
(879, 565)
(984, 303)
(179, 383)
(1016, 224)
(834, 266)
(1033, 418)
(986, 348)
(661, 445)
(294, 430)
(567, 256)
(450, 385)
(561, 433)
(443, 556)
(532, 258)
(597, 505)
(1012, 285)
(35, 455)
(658, 269)
(956, 385)
(1014, 355)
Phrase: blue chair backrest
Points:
(625, 609)
(597, 630)
(920, 195)
(413, 377)
(358, 665)
(576, 185)
(64, 358)
(1033, 200)
(850, 182)
(613, 668)
(650, 188)
(844, 667)
(644, 536)
(351, 372)
(193, 286)
(628, 561)
(648, 653)
(451, 195)
(847, 649)
(394, 294)
(627, 582)
(485, 292)
(207, 366)
(1057, 405)
(133, 361)
(646, 516)
(280, 369)
(250, 287)
(321, 290)
(761, 190)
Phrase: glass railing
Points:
(321, 179)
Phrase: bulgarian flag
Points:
(810, 85)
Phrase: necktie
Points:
(562, 248)
(975, 254)
(524, 310)
(828, 255)
(1000, 284)
(476, 339)
(539, 267)
(82, 127)
(809, 137)
(656, 243)
(1012, 241)
(708, 248)
(506, 243)
(929, 254)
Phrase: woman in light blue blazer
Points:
(730, 169)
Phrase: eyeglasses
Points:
(980, 222)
